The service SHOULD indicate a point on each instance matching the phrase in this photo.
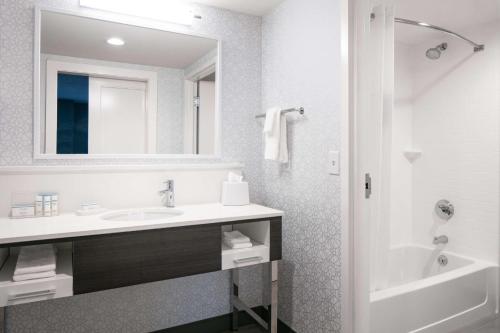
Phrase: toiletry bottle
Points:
(39, 205)
(54, 204)
(47, 210)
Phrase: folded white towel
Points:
(33, 276)
(235, 237)
(36, 259)
(238, 245)
(275, 136)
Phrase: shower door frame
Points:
(348, 177)
(356, 226)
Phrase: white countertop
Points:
(71, 225)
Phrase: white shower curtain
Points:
(378, 59)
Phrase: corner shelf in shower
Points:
(412, 155)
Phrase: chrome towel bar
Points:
(299, 110)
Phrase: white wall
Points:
(206, 118)
(114, 189)
(448, 108)
(456, 124)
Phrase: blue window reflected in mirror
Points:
(72, 114)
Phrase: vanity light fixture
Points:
(160, 10)
(115, 41)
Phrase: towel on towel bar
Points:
(33, 276)
(36, 259)
(275, 136)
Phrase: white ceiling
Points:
(455, 15)
(251, 7)
(86, 38)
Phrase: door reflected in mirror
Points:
(108, 88)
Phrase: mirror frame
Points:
(38, 154)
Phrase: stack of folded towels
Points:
(236, 240)
(35, 262)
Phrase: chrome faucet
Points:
(443, 239)
(169, 193)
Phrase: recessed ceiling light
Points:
(115, 41)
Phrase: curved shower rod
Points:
(477, 47)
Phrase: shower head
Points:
(435, 52)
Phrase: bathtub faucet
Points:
(443, 239)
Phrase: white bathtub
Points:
(422, 296)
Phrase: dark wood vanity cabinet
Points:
(126, 259)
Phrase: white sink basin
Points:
(142, 214)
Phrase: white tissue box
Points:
(235, 194)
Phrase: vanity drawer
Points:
(237, 258)
(144, 256)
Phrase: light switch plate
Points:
(334, 162)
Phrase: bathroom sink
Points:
(141, 215)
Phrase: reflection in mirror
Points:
(111, 88)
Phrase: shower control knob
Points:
(444, 209)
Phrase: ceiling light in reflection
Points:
(115, 41)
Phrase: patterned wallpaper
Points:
(201, 64)
(158, 305)
(301, 63)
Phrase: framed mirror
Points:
(105, 88)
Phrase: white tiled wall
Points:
(115, 190)
(456, 106)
